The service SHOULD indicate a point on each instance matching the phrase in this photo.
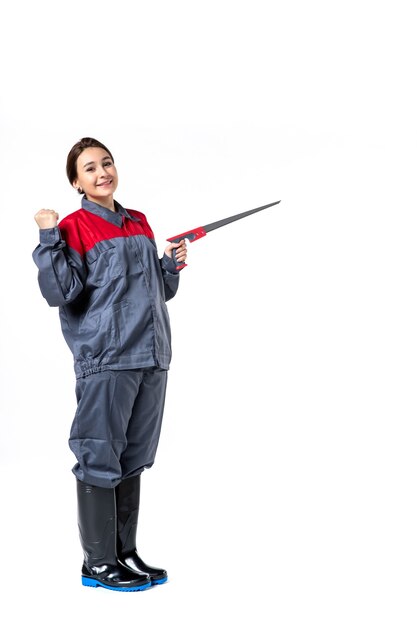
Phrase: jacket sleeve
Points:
(170, 276)
(62, 270)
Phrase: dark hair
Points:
(74, 153)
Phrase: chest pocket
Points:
(103, 263)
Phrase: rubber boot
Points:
(97, 525)
(127, 501)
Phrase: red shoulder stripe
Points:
(70, 233)
(82, 229)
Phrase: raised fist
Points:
(46, 218)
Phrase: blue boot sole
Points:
(159, 582)
(92, 582)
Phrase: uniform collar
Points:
(114, 217)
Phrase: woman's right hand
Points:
(46, 218)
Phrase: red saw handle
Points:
(191, 235)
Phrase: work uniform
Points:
(101, 268)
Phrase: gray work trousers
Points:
(116, 428)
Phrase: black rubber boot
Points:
(127, 501)
(97, 525)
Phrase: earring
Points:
(79, 190)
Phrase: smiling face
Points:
(97, 176)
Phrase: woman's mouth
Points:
(105, 183)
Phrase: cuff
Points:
(168, 264)
(49, 236)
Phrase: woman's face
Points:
(96, 174)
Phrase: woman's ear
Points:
(77, 186)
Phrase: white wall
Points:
(284, 487)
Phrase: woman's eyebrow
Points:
(93, 162)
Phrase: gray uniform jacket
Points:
(101, 268)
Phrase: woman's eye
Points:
(89, 169)
(108, 163)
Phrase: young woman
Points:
(100, 266)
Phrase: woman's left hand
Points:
(180, 250)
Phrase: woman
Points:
(100, 266)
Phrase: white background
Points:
(284, 490)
